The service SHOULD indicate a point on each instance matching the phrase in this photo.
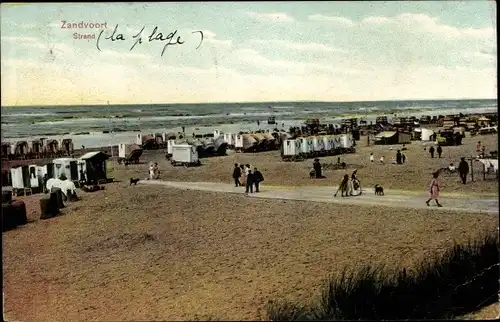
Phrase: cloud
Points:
(297, 45)
(375, 20)
(414, 39)
(332, 19)
(274, 16)
(23, 42)
(210, 37)
(289, 67)
(20, 39)
(123, 55)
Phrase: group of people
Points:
(439, 151)
(399, 159)
(154, 171)
(349, 184)
(244, 177)
(480, 149)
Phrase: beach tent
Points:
(424, 134)
(95, 165)
(249, 141)
(392, 137)
(483, 121)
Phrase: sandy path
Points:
(392, 198)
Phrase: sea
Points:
(105, 125)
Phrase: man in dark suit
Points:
(237, 175)
(463, 170)
(250, 182)
(257, 178)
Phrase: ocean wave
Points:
(26, 114)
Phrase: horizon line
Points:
(254, 102)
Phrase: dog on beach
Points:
(379, 190)
(133, 181)
(312, 174)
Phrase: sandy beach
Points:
(414, 175)
(158, 253)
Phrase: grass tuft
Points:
(462, 280)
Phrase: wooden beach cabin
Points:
(66, 146)
(51, 147)
(169, 136)
(381, 120)
(6, 150)
(6, 177)
(67, 167)
(95, 166)
(20, 148)
(159, 139)
(392, 137)
(35, 148)
(147, 142)
(20, 177)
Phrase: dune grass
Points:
(462, 280)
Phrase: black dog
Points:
(379, 190)
(133, 181)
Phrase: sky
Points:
(251, 52)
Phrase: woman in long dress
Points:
(343, 186)
(243, 179)
(151, 171)
(434, 189)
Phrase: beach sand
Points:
(156, 253)
(414, 175)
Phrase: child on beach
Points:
(151, 171)
(372, 157)
(382, 159)
(156, 171)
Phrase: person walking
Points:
(250, 182)
(403, 157)
(399, 157)
(439, 150)
(343, 187)
(156, 171)
(243, 176)
(372, 157)
(431, 151)
(434, 190)
(237, 175)
(257, 179)
(463, 170)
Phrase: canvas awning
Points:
(92, 155)
(386, 134)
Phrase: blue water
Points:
(126, 120)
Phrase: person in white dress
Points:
(151, 171)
